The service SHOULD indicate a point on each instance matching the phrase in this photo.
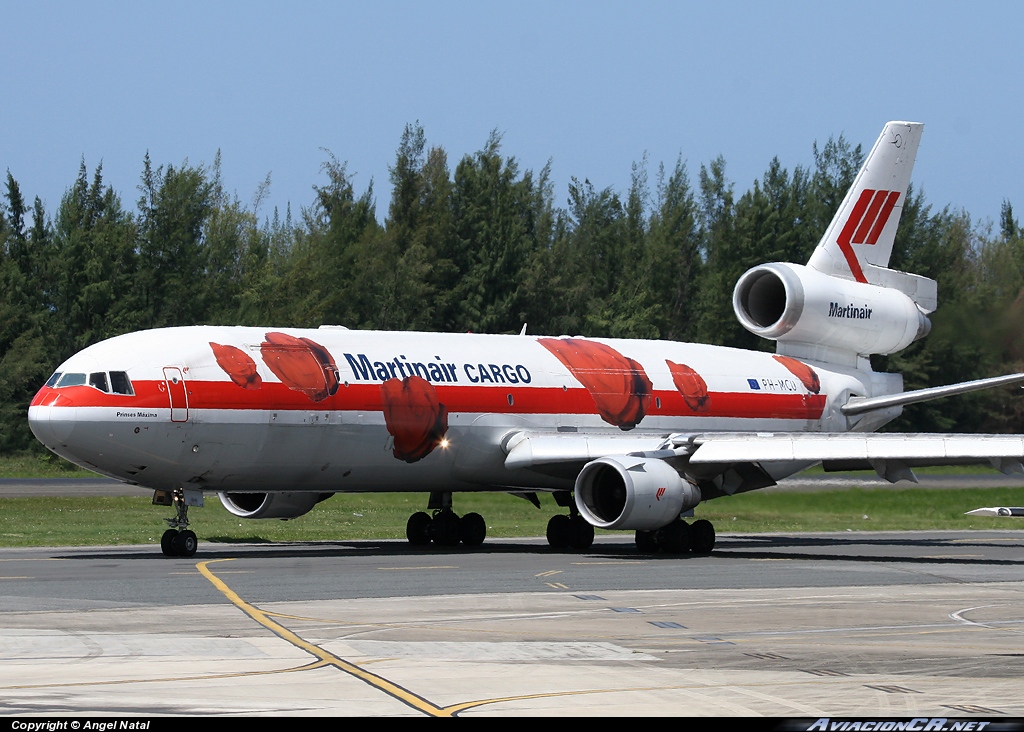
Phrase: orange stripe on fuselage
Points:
(225, 395)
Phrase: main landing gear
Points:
(566, 532)
(678, 537)
(443, 526)
(572, 531)
(178, 541)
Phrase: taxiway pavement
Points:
(808, 625)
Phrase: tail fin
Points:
(858, 243)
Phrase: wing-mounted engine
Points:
(791, 303)
(271, 505)
(636, 493)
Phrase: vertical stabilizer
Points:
(846, 304)
(858, 242)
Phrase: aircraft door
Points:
(177, 393)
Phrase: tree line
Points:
(484, 248)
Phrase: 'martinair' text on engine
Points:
(835, 310)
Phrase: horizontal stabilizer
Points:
(860, 405)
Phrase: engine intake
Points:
(632, 493)
(271, 505)
(790, 302)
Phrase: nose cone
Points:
(51, 417)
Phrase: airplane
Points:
(997, 511)
(626, 434)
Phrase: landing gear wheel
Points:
(185, 543)
(178, 541)
(472, 529)
(417, 530)
(581, 534)
(559, 527)
(167, 543)
(646, 543)
(702, 537)
(445, 529)
(674, 538)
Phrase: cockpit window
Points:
(115, 382)
(120, 384)
(71, 380)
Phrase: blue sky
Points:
(590, 86)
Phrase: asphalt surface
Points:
(808, 625)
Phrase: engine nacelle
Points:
(271, 505)
(790, 302)
(632, 493)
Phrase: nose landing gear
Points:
(178, 540)
(175, 543)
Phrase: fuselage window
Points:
(52, 381)
(71, 380)
(120, 384)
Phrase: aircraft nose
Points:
(51, 417)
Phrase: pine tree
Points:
(494, 218)
(672, 255)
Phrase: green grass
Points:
(130, 520)
(859, 509)
(35, 465)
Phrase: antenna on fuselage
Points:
(523, 331)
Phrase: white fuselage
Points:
(329, 410)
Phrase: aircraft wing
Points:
(891, 455)
(920, 449)
(534, 450)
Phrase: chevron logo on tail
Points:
(868, 218)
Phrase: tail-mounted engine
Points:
(793, 303)
(632, 493)
(271, 505)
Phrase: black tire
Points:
(646, 543)
(417, 529)
(185, 544)
(702, 535)
(559, 526)
(472, 529)
(581, 534)
(167, 543)
(674, 538)
(444, 529)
